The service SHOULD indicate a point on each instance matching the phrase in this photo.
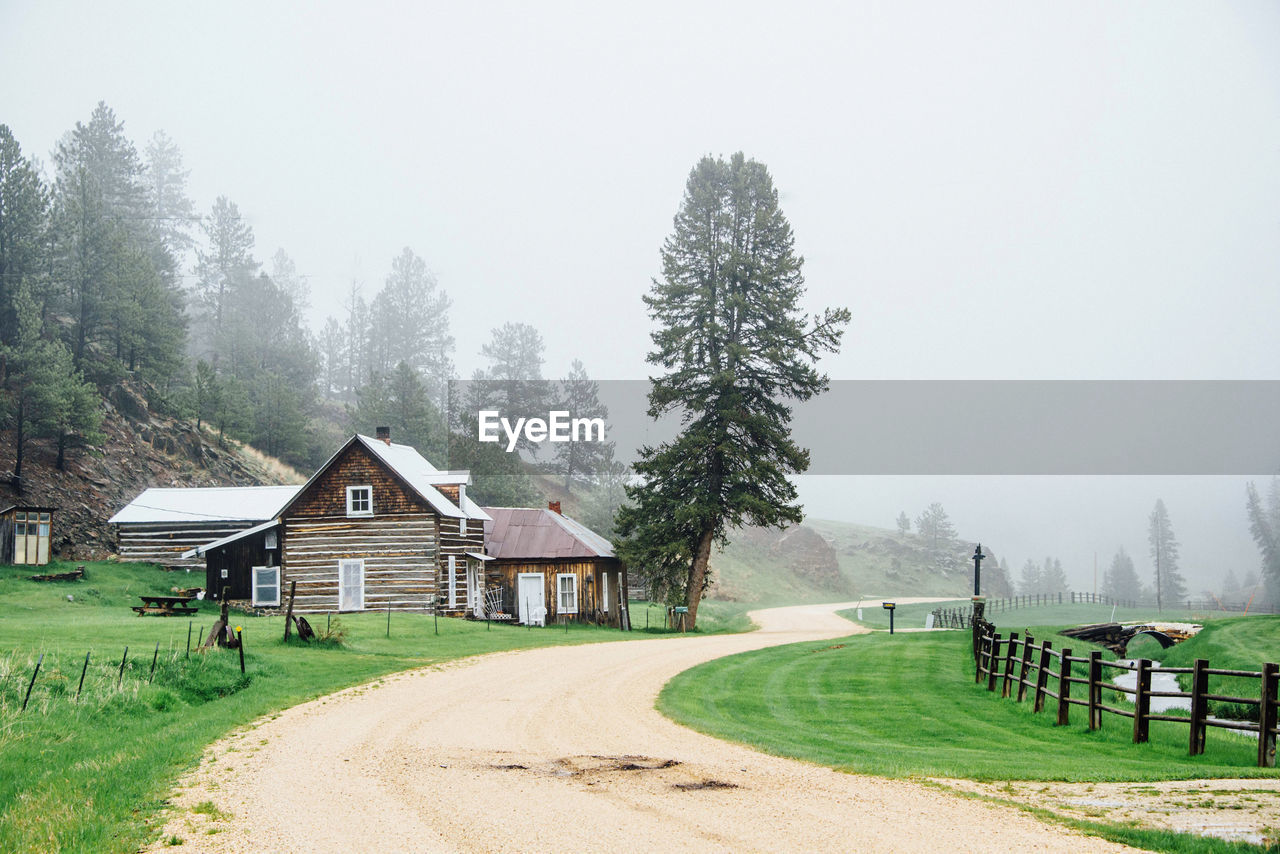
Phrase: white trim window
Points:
(351, 585)
(360, 500)
(462, 526)
(604, 592)
(266, 586)
(566, 593)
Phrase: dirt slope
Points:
(562, 750)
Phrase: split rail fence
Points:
(1020, 668)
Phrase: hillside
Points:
(823, 560)
(142, 448)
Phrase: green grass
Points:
(715, 617)
(1018, 619)
(91, 775)
(907, 705)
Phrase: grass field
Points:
(907, 705)
(90, 775)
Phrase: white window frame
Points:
(453, 581)
(572, 609)
(258, 601)
(462, 526)
(604, 592)
(350, 491)
(360, 562)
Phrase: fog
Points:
(996, 191)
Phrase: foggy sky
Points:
(997, 191)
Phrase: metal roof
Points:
(414, 469)
(200, 550)
(535, 534)
(206, 504)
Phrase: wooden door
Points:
(351, 585)
(531, 601)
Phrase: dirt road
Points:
(561, 750)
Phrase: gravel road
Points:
(561, 749)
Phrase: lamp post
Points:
(977, 570)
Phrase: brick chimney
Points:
(384, 434)
(553, 506)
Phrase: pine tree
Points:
(224, 267)
(934, 525)
(581, 460)
(735, 347)
(24, 214)
(1169, 586)
(1264, 524)
(1053, 580)
(1032, 580)
(904, 523)
(1121, 581)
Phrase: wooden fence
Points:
(1022, 667)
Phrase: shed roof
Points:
(206, 504)
(535, 534)
(239, 535)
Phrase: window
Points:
(351, 585)
(604, 592)
(462, 526)
(266, 585)
(566, 593)
(359, 500)
(452, 581)
(270, 541)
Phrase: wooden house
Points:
(378, 526)
(550, 566)
(164, 526)
(24, 534)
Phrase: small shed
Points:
(543, 559)
(165, 525)
(24, 534)
(244, 565)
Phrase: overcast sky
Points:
(997, 191)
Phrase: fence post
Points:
(1008, 663)
(1199, 704)
(123, 658)
(1142, 701)
(981, 650)
(1042, 674)
(1267, 717)
(993, 663)
(1064, 688)
(32, 683)
(83, 671)
(1095, 689)
(1027, 644)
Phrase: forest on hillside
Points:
(109, 272)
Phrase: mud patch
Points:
(511, 767)
(705, 784)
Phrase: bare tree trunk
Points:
(698, 574)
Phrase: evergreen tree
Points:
(1169, 586)
(1032, 580)
(1121, 581)
(173, 214)
(411, 321)
(513, 383)
(1053, 580)
(400, 401)
(24, 213)
(224, 267)
(934, 525)
(904, 523)
(1264, 524)
(581, 460)
(735, 347)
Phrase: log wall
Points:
(398, 550)
(164, 544)
(455, 544)
(590, 606)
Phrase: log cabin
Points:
(551, 567)
(377, 526)
(163, 525)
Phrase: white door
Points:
(351, 585)
(474, 599)
(531, 602)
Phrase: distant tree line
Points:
(107, 271)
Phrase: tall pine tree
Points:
(1170, 588)
(736, 349)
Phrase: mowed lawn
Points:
(90, 774)
(907, 705)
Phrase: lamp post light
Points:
(977, 570)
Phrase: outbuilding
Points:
(551, 567)
(24, 534)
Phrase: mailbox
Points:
(889, 606)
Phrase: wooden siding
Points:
(456, 544)
(238, 559)
(398, 550)
(164, 543)
(589, 604)
(327, 496)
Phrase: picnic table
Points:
(165, 606)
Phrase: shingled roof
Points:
(524, 533)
